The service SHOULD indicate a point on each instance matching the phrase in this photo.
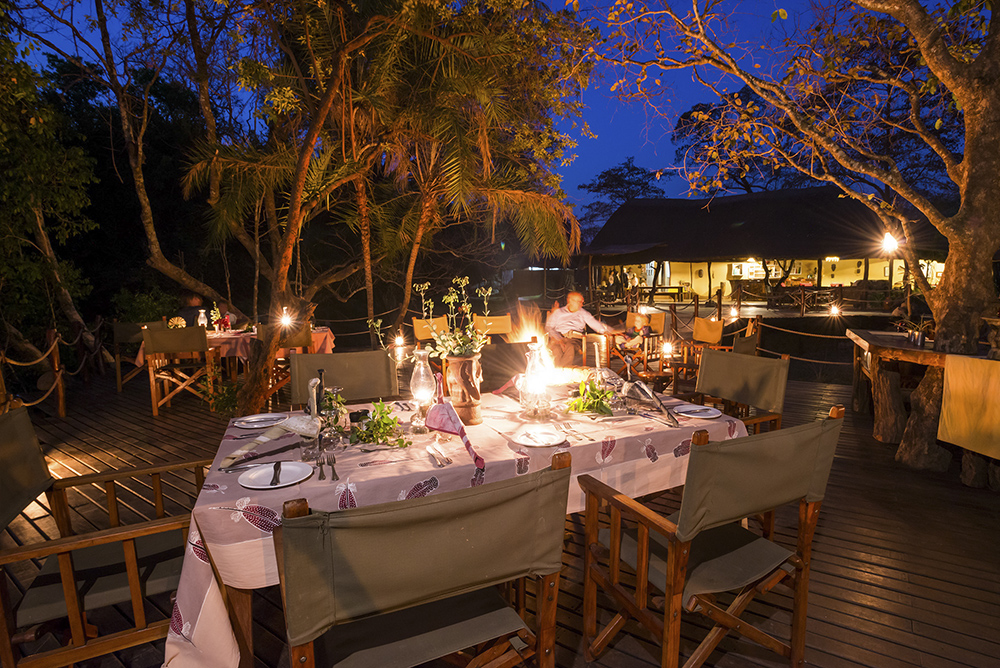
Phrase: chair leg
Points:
(118, 369)
(154, 389)
(547, 595)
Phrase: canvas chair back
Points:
(745, 345)
(23, 472)
(131, 332)
(729, 480)
(300, 337)
(707, 331)
(494, 324)
(755, 381)
(422, 328)
(341, 566)
(168, 341)
(368, 374)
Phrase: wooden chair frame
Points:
(84, 642)
(121, 379)
(640, 604)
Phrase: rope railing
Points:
(792, 331)
(55, 383)
(57, 369)
(4, 358)
(804, 359)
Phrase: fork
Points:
(438, 461)
(322, 474)
(331, 459)
(440, 453)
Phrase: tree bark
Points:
(63, 297)
(919, 448)
(426, 215)
(366, 251)
(890, 413)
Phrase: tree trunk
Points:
(366, 251)
(426, 213)
(890, 413)
(919, 448)
(63, 297)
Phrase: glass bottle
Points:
(422, 387)
(534, 387)
(202, 318)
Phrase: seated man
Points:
(565, 325)
(190, 309)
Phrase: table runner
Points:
(634, 454)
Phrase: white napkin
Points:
(303, 425)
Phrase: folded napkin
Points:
(303, 425)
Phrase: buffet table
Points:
(232, 526)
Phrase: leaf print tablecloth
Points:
(233, 526)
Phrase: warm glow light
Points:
(834, 309)
(400, 341)
(285, 320)
(734, 312)
(712, 319)
(832, 258)
(668, 348)
(889, 243)
(750, 259)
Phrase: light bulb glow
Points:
(734, 312)
(285, 319)
(668, 348)
(400, 341)
(834, 310)
(889, 243)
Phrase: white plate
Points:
(291, 473)
(538, 438)
(259, 421)
(700, 412)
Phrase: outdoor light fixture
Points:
(712, 319)
(285, 320)
(889, 243)
(734, 312)
(834, 309)
(832, 258)
(668, 349)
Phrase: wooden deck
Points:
(906, 569)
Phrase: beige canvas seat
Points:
(750, 388)
(706, 335)
(701, 551)
(368, 374)
(178, 360)
(423, 329)
(494, 324)
(61, 580)
(130, 334)
(399, 584)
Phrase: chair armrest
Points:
(103, 537)
(121, 474)
(627, 505)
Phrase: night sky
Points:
(625, 129)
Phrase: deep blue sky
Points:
(626, 129)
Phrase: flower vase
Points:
(464, 376)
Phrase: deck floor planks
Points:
(906, 564)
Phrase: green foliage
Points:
(380, 427)
(143, 305)
(220, 394)
(592, 399)
(462, 338)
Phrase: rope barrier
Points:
(804, 359)
(45, 396)
(8, 360)
(86, 357)
(792, 331)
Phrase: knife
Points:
(276, 478)
(268, 453)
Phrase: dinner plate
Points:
(259, 477)
(259, 421)
(700, 412)
(538, 438)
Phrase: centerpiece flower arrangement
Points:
(461, 339)
(221, 322)
(460, 344)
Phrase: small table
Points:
(231, 527)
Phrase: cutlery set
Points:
(440, 459)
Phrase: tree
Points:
(615, 186)
(42, 195)
(864, 74)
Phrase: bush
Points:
(143, 306)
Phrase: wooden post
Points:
(739, 296)
(802, 300)
(50, 337)
(696, 304)
(819, 273)
(590, 278)
(673, 320)
(840, 298)
(860, 390)
(718, 305)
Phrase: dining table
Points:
(230, 551)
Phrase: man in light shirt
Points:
(566, 325)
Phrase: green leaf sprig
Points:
(592, 399)
(380, 427)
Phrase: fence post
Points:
(696, 304)
(739, 297)
(50, 338)
(718, 305)
(802, 299)
(840, 298)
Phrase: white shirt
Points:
(563, 321)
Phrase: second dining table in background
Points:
(232, 526)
